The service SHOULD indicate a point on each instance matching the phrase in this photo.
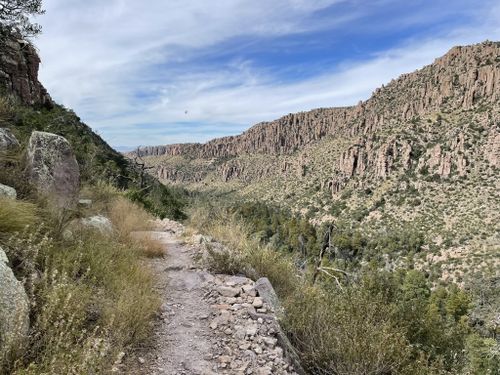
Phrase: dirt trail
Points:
(183, 335)
(209, 324)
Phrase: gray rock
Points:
(99, 222)
(7, 140)
(267, 293)
(200, 239)
(227, 291)
(14, 310)
(269, 296)
(7, 192)
(258, 302)
(85, 202)
(52, 168)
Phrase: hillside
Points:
(422, 153)
(25, 106)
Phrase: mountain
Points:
(422, 153)
(25, 105)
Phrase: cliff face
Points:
(19, 65)
(457, 81)
(423, 151)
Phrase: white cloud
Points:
(112, 62)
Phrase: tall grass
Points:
(15, 216)
(91, 294)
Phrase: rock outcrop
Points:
(14, 310)
(7, 140)
(52, 168)
(456, 81)
(19, 64)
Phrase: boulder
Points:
(14, 310)
(98, 222)
(7, 140)
(52, 168)
(7, 192)
(267, 294)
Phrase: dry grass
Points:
(246, 254)
(102, 196)
(15, 216)
(131, 223)
(149, 245)
(127, 217)
(91, 295)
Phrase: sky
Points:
(167, 71)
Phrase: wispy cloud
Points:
(177, 70)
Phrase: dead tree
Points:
(325, 247)
(141, 164)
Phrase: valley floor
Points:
(208, 323)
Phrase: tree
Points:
(15, 16)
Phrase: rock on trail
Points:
(209, 324)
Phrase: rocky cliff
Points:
(19, 63)
(422, 152)
(460, 79)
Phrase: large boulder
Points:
(52, 168)
(7, 192)
(14, 311)
(7, 140)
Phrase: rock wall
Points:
(458, 80)
(19, 63)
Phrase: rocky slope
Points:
(423, 150)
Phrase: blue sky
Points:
(168, 71)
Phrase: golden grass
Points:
(15, 216)
(128, 217)
(152, 247)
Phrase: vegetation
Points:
(366, 320)
(97, 160)
(15, 16)
(90, 294)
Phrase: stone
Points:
(251, 330)
(249, 290)
(7, 140)
(85, 202)
(270, 341)
(227, 291)
(267, 293)
(14, 310)
(257, 302)
(7, 192)
(52, 168)
(98, 222)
